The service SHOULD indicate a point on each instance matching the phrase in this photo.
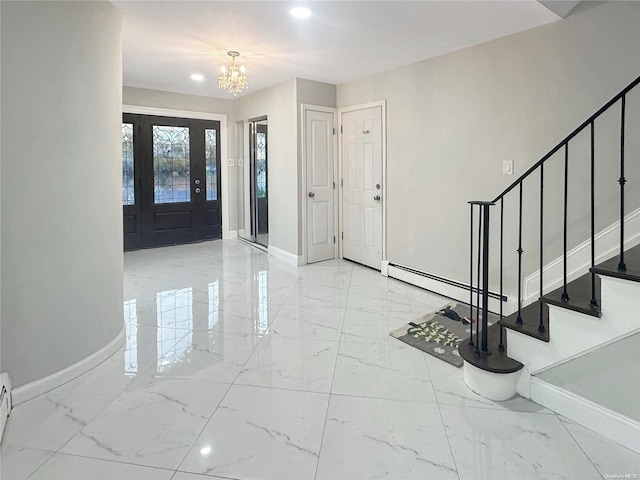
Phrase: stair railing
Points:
(481, 288)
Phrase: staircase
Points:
(558, 349)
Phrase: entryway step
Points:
(600, 390)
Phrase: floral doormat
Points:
(439, 333)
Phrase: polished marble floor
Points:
(240, 366)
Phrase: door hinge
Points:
(334, 185)
(341, 129)
(334, 130)
(342, 182)
(342, 236)
(334, 239)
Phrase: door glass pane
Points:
(171, 175)
(128, 193)
(212, 163)
(261, 164)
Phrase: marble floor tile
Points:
(71, 467)
(362, 326)
(291, 363)
(326, 276)
(261, 433)
(317, 296)
(449, 387)
(500, 444)
(372, 303)
(388, 370)
(207, 356)
(17, 463)
(153, 423)
(308, 323)
(375, 439)
(194, 476)
(610, 458)
(249, 318)
(309, 382)
(48, 421)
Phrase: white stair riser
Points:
(572, 333)
(620, 303)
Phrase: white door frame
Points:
(383, 105)
(225, 163)
(303, 185)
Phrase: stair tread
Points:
(632, 261)
(498, 361)
(579, 291)
(530, 321)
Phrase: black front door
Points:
(172, 195)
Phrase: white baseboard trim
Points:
(451, 291)
(43, 385)
(579, 258)
(384, 268)
(288, 257)
(230, 234)
(612, 425)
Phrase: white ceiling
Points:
(164, 42)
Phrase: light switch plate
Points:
(232, 162)
(507, 167)
(240, 162)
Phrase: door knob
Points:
(377, 197)
(311, 194)
(198, 190)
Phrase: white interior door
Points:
(320, 183)
(362, 186)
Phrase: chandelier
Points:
(232, 79)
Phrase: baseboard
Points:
(384, 268)
(230, 234)
(288, 257)
(612, 425)
(445, 287)
(43, 385)
(579, 258)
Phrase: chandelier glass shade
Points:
(233, 78)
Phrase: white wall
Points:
(452, 120)
(61, 184)
(278, 103)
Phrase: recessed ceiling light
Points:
(300, 12)
(197, 77)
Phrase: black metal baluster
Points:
(593, 303)
(501, 344)
(519, 319)
(478, 288)
(565, 294)
(471, 279)
(541, 306)
(485, 281)
(621, 265)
